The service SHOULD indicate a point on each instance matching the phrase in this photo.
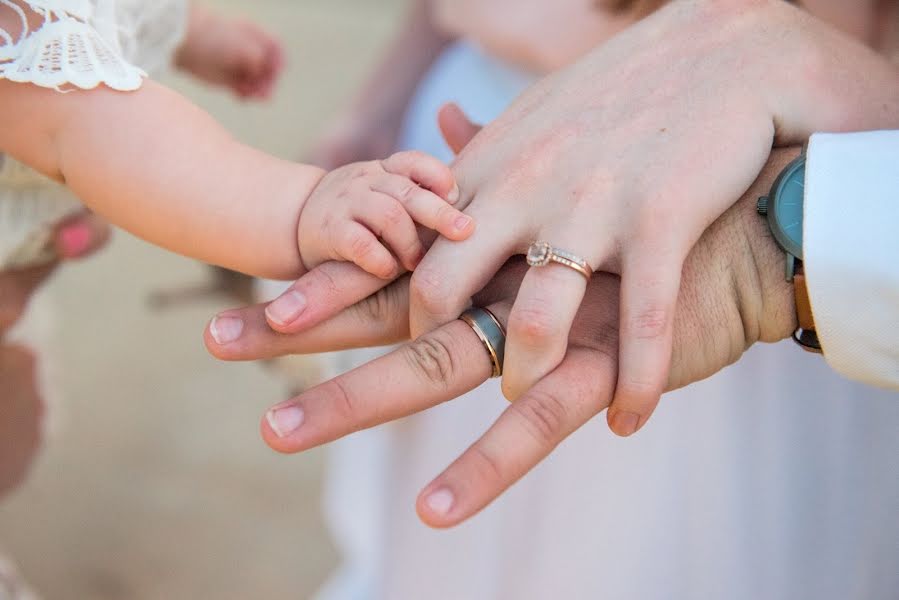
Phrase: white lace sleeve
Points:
(73, 44)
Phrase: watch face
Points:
(786, 218)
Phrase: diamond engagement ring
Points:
(540, 254)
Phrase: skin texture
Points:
(733, 295)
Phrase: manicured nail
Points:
(286, 309)
(625, 423)
(441, 502)
(454, 194)
(463, 223)
(74, 240)
(285, 420)
(225, 330)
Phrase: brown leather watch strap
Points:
(805, 336)
(803, 303)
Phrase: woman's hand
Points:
(20, 402)
(75, 238)
(733, 295)
(625, 159)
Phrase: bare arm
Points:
(154, 164)
(391, 85)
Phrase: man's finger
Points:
(437, 367)
(522, 437)
(377, 320)
(320, 294)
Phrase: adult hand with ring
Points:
(623, 160)
(731, 298)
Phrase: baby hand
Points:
(234, 54)
(366, 213)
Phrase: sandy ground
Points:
(155, 483)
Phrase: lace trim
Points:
(66, 49)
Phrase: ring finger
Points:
(445, 364)
(541, 318)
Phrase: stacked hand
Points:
(733, 294)
(632, 159)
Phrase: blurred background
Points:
(154, 482)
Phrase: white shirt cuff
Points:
(851, 252)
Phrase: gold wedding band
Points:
(541, 254)
(491, 333)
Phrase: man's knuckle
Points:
(431, 357)
(344, 402)
(487, 466)
(543, 415)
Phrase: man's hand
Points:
(733, 295)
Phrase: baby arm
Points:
(158, 166)
(154, 164)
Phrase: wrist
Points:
(766, 300)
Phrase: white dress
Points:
(70, 45)
(775, 479)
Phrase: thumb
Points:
(456, 127)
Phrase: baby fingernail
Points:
(454, 194)
(285, 420)
(225, 330)
(441, 502)
(625, 423)
(75, 240)
(463, 223)
(286, 309)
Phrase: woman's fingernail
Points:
(463, 223)
(441, 502)
(75, 240)
(286, 309)
(625, 423)
(454, 194)
(225, 330)
(284, 420)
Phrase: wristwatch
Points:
(784, 209)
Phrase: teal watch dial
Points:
(784, 207)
